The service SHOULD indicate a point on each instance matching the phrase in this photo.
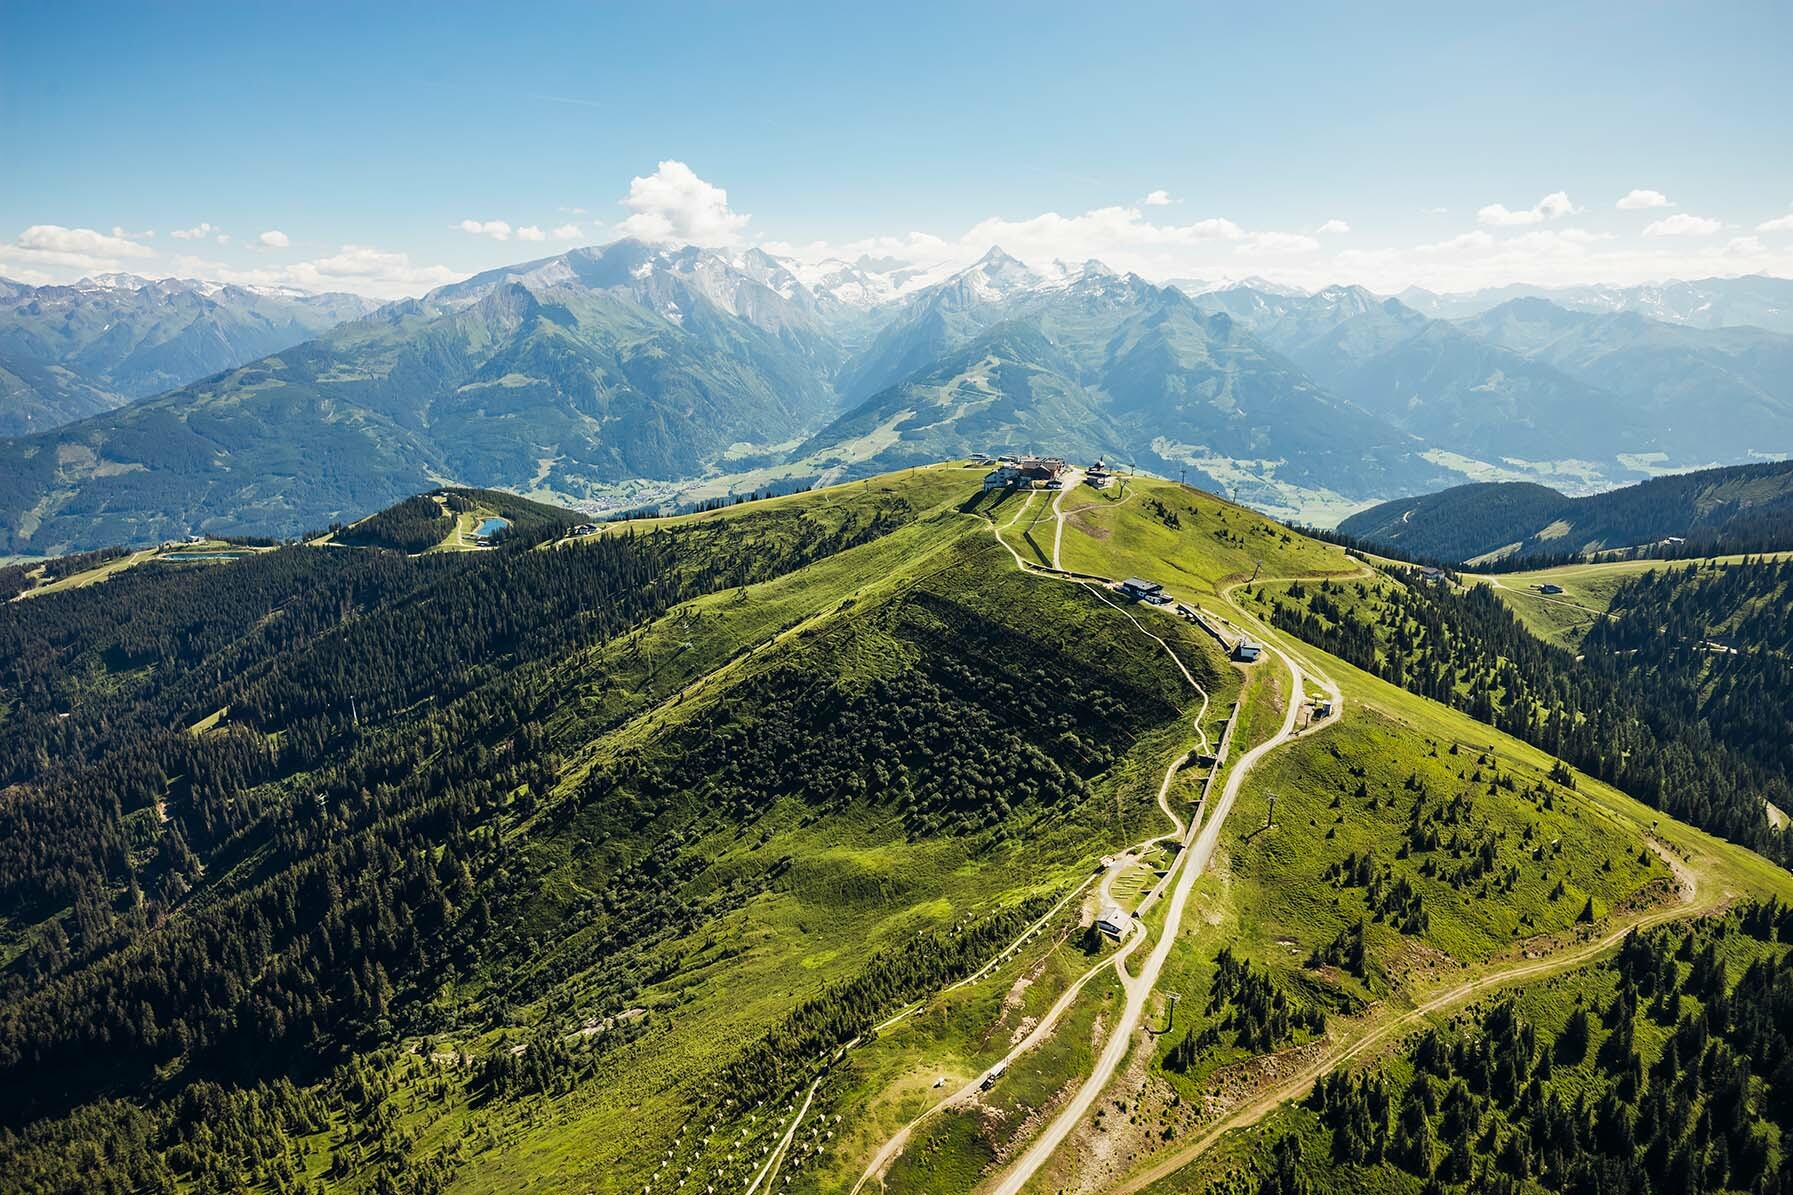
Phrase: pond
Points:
(490, 527)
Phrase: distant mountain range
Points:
(1530, 380)
(1755, 300)
(1742, 508)
(631, 374)
(1004, 358)
(67, 352)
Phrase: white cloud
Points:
(72, 251)
(274, 239)
(148, 234)
(53, 238)
(498, 230)
(198, 232)
(530, 232)
(1261, 243)
(1158, 199)
(1333, 227)
(1545, 257)
(1778, 224)
(1553, 205)
(1457, 244)
(222, 238)
(1435, 211)
(567, 232)
(1683, 224)
(360, 269)
(1546, 251)
(1636, 200)
(674, 204)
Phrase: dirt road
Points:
(1190, 866)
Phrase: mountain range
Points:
(1756, 299)
(67, 352)
(631, 373)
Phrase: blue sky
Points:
(363, 138)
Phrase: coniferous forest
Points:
(1678, 697)
(1664, 1070)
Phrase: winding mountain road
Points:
(1193, 861)
(1198, 842)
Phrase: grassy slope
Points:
(1270, 901)
(1120, 534)
(1274, 906)
(1588, 591)
(859, 884)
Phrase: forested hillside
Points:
(1746, 508)
(315, 857)
(1664, 1069)
(1648, 705)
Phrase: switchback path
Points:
(1695, 899)
(1179, 832)
(1191, 863)
(1379, 1031)
(1188, 866)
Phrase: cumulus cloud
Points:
(198, 232)
(1457, 244)
(54, 238)
(360, 269)
(274, 239)
(1549, 257)
(1333, 226)
(1637, 200)
(1553, 205)
(530, 232)
(1262, 243)
(567, 232)
(1543, 247)
(674, 204)
(1158, 199)
(71, 250)
(1778, 224)
(1683, 224)
(498, 230)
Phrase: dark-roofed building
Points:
(1142, 590)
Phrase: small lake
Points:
(490, 527)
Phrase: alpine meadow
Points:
(1152, 601)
